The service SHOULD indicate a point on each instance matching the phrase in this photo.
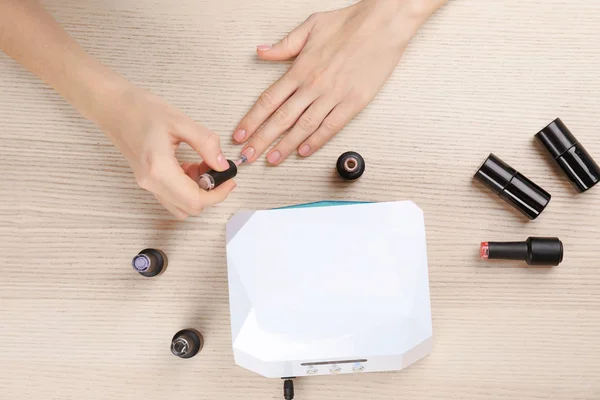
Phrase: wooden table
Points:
(482, 76)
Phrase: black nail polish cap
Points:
(513, 187)
(572, 157)
(213, 179)
(222, 176)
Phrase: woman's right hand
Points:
(148, 131)
(144, 127)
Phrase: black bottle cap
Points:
(572, 157)
(495, 173)
(513, 187)
(212, 179)
(544, 251)
(556, 137)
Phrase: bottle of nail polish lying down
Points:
(535, 251)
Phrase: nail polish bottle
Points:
(350, 166)
(572, 157)
(150, 262)
(536, 251)
(187, 343)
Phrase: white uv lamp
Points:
(329, 289)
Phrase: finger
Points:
(280, 121)
(205, 143)
(182, 191)
(219, 194)
(269, 101)
(175, 211)
(195, 170)
(290, 46)
(306, 125)
(185, 166)
(332, 124)
(177, 188)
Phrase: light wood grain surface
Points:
(482, 76)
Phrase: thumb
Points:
(206, 143)
(290, 46)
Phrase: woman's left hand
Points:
(344, 57)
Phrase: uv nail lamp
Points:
(329, 288)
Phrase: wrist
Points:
(107, 95)
(423, 9)
(403, 17)
(97, 93)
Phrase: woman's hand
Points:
(148, 131)
(344, 57)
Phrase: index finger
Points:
(265, 105)
(195, 170)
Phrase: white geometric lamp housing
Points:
(329, 289)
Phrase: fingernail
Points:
(249, 152)
(304, 150)
(239, 135)
(263, 47)
(222, 161)
(274, 157)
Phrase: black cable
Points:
(288, 389)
